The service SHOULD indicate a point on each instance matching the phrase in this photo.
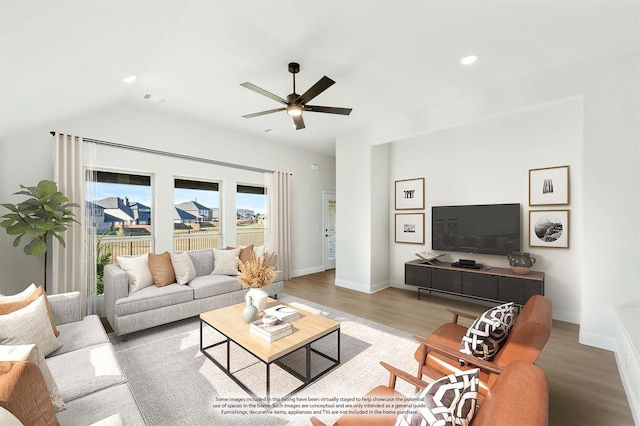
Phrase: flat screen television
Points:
(487, 228)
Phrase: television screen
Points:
(488, 228)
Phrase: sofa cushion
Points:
(6, 308)
(212, 285)
(138, 272)
(30, 324)
(225, 262)
(161, 269)
(101, 405)
(24, 393)
(202, 261)
(19, 296)
(81, 334)
(85, 371)
(488, 332)
(183, 267)
(153, 297)
(32, 354)
(450, 400)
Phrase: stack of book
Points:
(270, 333)
(283, 313)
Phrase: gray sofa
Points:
(153, 306)
(86, 370)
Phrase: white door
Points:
(329, 228)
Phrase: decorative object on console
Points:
(410, 228)
(255, 274)
(409, 194)
(549, 228)
(521, 262)
(549, 186)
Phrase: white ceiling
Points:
(61, 59)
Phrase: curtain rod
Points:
(172, 154)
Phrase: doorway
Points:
(329, 227)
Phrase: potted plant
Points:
(255, 274)
(43, 215)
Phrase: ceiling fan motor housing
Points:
(294, 67)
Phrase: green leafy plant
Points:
(103, 258)
(43, 215)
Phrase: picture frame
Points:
(409, 228)
(549, 228)
(549, 186)
(409, 194)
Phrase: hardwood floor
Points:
(584, 382)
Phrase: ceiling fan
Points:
(297, 104)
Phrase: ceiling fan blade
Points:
(323, 84)
(264, 92)
(329, 110)
(299, 122)
(257, 114)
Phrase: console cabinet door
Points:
(517, 290)
(417, 275)
(480, 285)
(447, 280)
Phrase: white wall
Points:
(606, 274)
(488, 162)
(27, 159)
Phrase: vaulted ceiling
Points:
(61, 59)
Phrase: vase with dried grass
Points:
(255, 274)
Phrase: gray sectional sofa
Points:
(86, 369)
(152, 306)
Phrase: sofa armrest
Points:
(116, 286)
(396, 372)
(457, 314)
(65, 307)
(488, 366)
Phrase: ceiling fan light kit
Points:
(297, 104)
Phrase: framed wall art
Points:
(410, 194)
(410, 228)
(549, 228)
(549, 186)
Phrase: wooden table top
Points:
(309, 327)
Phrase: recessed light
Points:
(129, 79)
(468, 60)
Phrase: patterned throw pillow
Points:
(448, 401)
(485, 336)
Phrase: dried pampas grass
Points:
(257, 273)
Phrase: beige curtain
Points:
(67, 264)
(281, 229)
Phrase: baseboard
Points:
(363, 288)
(308, 271)
(628, 356)
(597, 340)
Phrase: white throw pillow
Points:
(258, 251)
(183, 267)
(23, 295)
(8, 419)
(29, 325)
(137, 269)
(32, 353)
(225, 262)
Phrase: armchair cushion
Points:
(488, 332)
(449, 400)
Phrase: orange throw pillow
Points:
(7, 308)
(161, 269)
(245, 253)
(24, 393)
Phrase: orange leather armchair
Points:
(438, 355)
(519, 396)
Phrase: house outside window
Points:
(196, 216)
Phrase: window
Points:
(118, 207)
(196, 216)
(251, 215)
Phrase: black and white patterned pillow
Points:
(485, 336)
(448, 401)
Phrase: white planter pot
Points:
(259, 298)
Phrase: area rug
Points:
(175, 384)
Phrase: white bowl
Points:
(269, 320)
